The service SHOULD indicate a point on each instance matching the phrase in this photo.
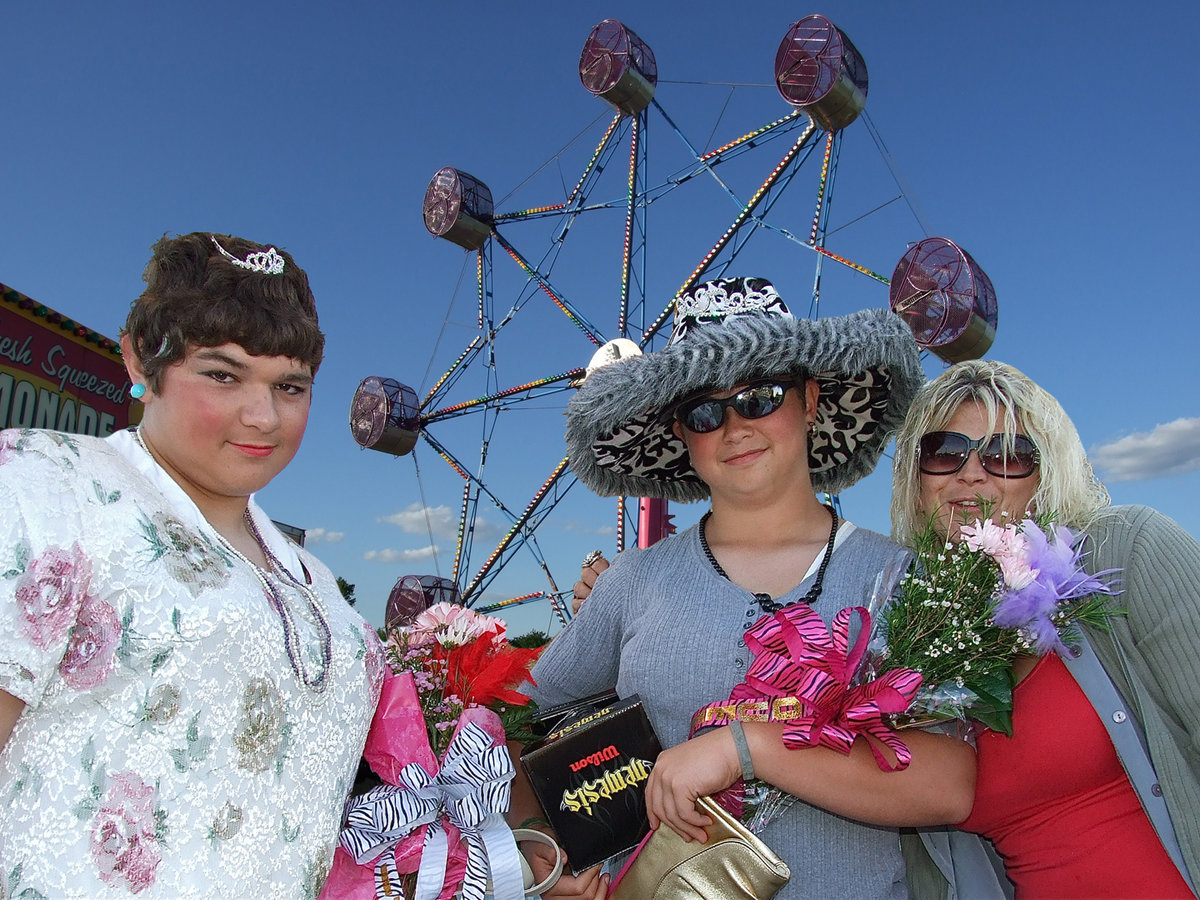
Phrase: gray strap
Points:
(743, 749)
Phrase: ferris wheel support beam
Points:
(741, 219)
(571, 312)
(820, 223)
(521, 530)
(458, 408)
(517, 527)
(633, 209)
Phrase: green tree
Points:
(347, 590)
(531, 639)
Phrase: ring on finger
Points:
(591, 558)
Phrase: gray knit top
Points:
(661, 623)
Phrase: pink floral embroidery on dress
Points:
(94, 640)
(51, 592)
(124, 842)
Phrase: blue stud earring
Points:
(138, 391)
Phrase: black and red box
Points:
(589, 774)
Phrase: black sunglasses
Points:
(707, 413)
(945, 452)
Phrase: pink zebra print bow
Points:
(801, 676)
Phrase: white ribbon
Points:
(472, 790)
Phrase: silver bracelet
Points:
(743, 749)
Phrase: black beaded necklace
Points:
(765, 601)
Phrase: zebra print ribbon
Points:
(470, 791)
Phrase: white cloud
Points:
(398, 556)
(580, 527)
(1170, 449)
(418, 519)
(320, 535)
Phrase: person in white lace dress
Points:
(184, 694)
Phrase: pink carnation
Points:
(984, 536)
(124, 841)
(1016, 571)
(1007, 545)
(451, 626)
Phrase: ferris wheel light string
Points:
(507, 392)
(529, 212)
(529, 270)
(612, 126)
(471, 346)
(455, 466)
(479, 288)
(629, 220)
(516, 526)
(812, 235)
(462, 520)
(737, 223)
(852, 265)
(620, 522)
(749, 136)
(536, 595)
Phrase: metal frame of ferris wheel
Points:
(634, 314)
(926, 286)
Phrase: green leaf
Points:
(996, 719)
(87, 758)
(200, 749)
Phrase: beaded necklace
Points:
(283, 607)
(277, 582)
(765, 602)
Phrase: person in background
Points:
(184, 694)
(757, 411)
(1097, 793)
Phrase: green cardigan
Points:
(1152, 657)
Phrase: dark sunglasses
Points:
(945, 452)
(707, 413)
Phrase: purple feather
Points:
(1060, 577)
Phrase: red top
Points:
(1057, 804)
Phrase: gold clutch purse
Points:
(733, 864)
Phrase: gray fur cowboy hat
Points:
(730, 332)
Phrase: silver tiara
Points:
(268, 261)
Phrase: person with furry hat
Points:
(756, 411)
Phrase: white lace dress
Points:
(169, 747)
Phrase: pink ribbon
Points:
(805, 671)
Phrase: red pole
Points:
(654, 522)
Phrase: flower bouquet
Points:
(433, 824)
(963, 611)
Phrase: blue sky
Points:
(1054, 141)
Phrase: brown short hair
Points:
(196, 297)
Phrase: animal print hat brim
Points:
(730, 332)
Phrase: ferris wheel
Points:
(612, 208)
